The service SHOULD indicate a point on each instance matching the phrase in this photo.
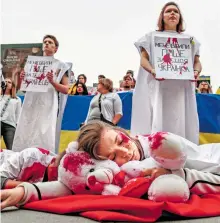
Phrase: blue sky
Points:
(98, 35)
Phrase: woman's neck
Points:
(104, 92)
(7, 92)
(170, 28)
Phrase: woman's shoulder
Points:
(147, 35)
(111, 95)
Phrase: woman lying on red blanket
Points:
(102, 141)
(30, 165)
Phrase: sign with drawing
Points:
(36, 69)
(173, 58)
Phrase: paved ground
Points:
(13, 215)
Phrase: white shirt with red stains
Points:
(29, 165)
(168, 105)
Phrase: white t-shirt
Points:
(111, 105)
(12, 112)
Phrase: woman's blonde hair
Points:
(161, 25)
(107, 83)
(13, 90)
(90, 135)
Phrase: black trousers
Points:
(8, 132)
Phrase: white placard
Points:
(173, 58)
(36, 69)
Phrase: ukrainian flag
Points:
(77, 108)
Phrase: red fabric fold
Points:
(120, 208)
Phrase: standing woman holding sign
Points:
(162, 104)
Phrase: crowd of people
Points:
(158, 106)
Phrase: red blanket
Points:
(121, 208)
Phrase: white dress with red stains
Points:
(202, 158)
(168, 105)
(29, 165)
(40, 120)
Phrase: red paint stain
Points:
(184, 67)
(168, 42)
(124, 137)
(73, 162)
(41, 77)
(156, 139)
(27, 82)
(34, 173)
(146, 135)
(35, 68)
(44, 151)
(52, 171)
(167, 59)
(175, 42)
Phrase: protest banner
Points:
(14, 56)
(173, 58)
(36, 69)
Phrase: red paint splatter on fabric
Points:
(119, 178)
(168, 42)
(52, 171)
(41, 77)
(124, 137)
(146, 135)
(167, 59)
(44, 151)
(156, 139)
(184, 67)
(34, 173)
(175, 43)
(73, 162)
(35, 68)
(27, 82)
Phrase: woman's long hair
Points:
(85, 91)
(13, 90)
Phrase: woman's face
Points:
(79, 88)
(117, 146)
(81, 79)
(100, 87)
(171, 16)
(9, 83)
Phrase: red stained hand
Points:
(22, 74)
(50, 77)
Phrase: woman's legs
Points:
(8, 133)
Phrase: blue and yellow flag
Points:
(77, 108)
